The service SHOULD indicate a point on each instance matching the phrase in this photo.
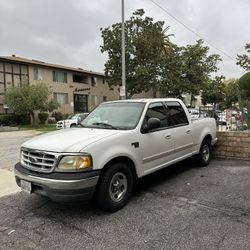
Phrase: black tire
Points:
(205, 153)
(115, 187)
(73, 125)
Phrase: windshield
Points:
(119, 115)
(72, 117)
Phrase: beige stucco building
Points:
(75, 89)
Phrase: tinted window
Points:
(157, 110)
(176, 113)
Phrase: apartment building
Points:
(75, 89)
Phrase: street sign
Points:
(122, 91)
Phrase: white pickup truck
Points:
(117, 143)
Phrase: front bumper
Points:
(61, 187)
(61, 125)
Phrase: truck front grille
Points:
(38, 160)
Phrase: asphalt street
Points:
(182, 207)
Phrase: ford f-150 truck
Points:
(117, 143)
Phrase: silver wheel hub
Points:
(118, 186)
(205, 153)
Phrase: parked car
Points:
(194, 113)
(221, 118)
(71, 121)
(118, 143)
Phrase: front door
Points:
(157, 145)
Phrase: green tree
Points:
(145, 41)
(231, 92)
(197, 67)
(26, 99)
(171, 80)
(244, 90)
(214, 91)
(244, 86)
(244, 60)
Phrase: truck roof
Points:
(147, 100)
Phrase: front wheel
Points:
(204, 155)
(115, 187)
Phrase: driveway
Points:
(10, 143)
(181, 207)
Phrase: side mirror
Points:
(151, 124)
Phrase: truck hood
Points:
(68, 140)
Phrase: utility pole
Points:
(123, 87)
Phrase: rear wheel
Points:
(204, 155)
(115, 187)
(73, 125)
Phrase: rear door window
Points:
(176, 113)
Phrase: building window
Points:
(94, 100)
(104, 99)
(79, 78)
(61, 98)
(59, 76)
(80, 103)
(93, 81)
(38, 74)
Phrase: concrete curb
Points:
(7, 183)
(8, 129)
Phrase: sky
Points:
(67, 32)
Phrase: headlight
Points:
(75, 162)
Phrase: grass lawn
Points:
(39, 127)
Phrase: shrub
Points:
(6, 119)
(43, 117)
(13, 119)
(57, 115)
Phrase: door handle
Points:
(168, 137)
(188, 131)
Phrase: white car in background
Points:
(194, 113)
(72, 121)
(222, 118)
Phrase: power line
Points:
(192, 31)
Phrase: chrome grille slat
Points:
(39, 158)
(39, 161)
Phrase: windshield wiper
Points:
(104, 125)
(80, 124)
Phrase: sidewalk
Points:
(7, 129)
(7, 183)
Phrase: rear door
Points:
(181, 129)
(157, 145)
